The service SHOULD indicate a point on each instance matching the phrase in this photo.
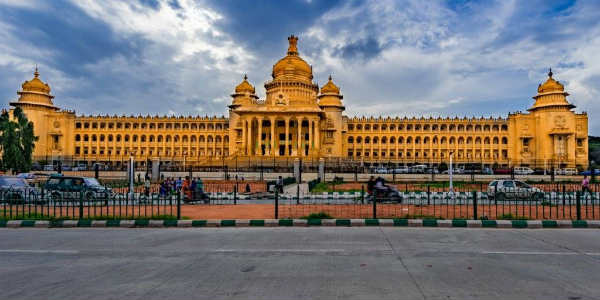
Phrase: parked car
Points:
(402, 170)
(381, 171)
(454, 171)
(14, 189)
(589, 173)
(418, 169)
(26, 175)
(500, 190)
(66, 168)
(48, 168)
(523, 171)
(74, 187)
(502, 171)
(566, 171)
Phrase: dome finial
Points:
(550, 73)
(36, 74)
(245, 76)
(330, 77)
(293, 48)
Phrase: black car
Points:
(14, 189)
(75, 188)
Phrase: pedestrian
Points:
(185, 188)
(147, 186)
(585, 186)
(371, 185)
(279, 184)
(247, 188)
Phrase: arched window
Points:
(367, 140)
(375, 139)
(504, 141)
(409, 140)
(358, 140)
(487, 140)
(350, 140)
(77, 137)
(495, 141)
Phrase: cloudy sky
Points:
(398, 58)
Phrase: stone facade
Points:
(299, 120)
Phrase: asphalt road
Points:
(299, 263)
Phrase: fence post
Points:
(475, 205)
(375, 206)
(178, 206)
(298, 193)
(235, 194)
(276, 204)
(80, 205)
(578, 203)
(428, 194)
(362, 194)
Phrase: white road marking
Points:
(33, 251)
(539, 253)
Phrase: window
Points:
(509, 184)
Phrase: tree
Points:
(17, 140)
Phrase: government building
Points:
(299, 119)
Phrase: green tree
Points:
(16, 140)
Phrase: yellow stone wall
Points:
(299, 120)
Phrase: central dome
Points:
(292, 66)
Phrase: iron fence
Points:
(468, 201)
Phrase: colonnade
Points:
(280, 136)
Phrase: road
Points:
(299, 263)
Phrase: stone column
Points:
(318, 136)
(243, 148)
(273, 152)
(310, 135)
(259, 147)
(155, 169)
(297, 169)
(322, 169)
(287, 138)
(249, 142)
(299, 146)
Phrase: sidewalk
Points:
(292, 189)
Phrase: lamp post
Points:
(184, 156)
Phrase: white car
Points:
(402, 170)
(566, 171)
(381, 171)
(454, 171)
(500, 190)
(523, 171)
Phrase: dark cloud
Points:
(361, 49)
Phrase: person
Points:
(193, 188)
(163, 188)
(147, 186)
(585, 186)
(178, 184)
(185, 188)
(247, 188)
(371, 185)
(200, 189)
(279, 184)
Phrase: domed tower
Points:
(53, 127)
(292, 83)
(35, 94)
(552, 134)
(244, 95)
(330, 101)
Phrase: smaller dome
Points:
(35, 84)
(330, 87)
(244, 87)
(550, 85)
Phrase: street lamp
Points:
(184, 156)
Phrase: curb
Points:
(456, 223)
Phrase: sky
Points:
(390, 58)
